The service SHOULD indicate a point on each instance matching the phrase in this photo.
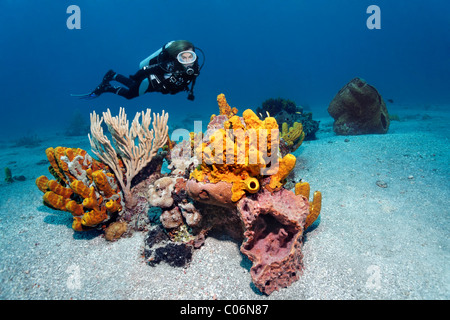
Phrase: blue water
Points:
(255, 49)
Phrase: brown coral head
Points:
(115, 230)
(160, 193)
(171, 218)
(218, 194)
(190, 214)
(358, 108)
(274, 229)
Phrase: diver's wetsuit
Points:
(162, 74)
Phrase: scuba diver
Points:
(171, 69)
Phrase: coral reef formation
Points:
(291, 137)
(272, 218)
(286, 111)
(239, 151)
(134, 157)
(358, 108)
(96, 185)
(232, 179)
(82, 186)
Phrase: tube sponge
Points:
(303, 188)
(8, 175)
(224, 106)
(94, 217)
(314, 210)
(286, 164)
(82, 186)
(41, 183)
(251, 185)
(247, 149)
(292, 134)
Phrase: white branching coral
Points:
(134, 154)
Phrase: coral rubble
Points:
(358, 108)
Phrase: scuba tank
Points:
(146, 61)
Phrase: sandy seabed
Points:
(385, 240)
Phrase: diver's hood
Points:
(166, 61)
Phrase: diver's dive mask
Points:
(186, 57)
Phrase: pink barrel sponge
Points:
(274, 224)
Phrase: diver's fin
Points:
(101, 88)
(85, 96)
